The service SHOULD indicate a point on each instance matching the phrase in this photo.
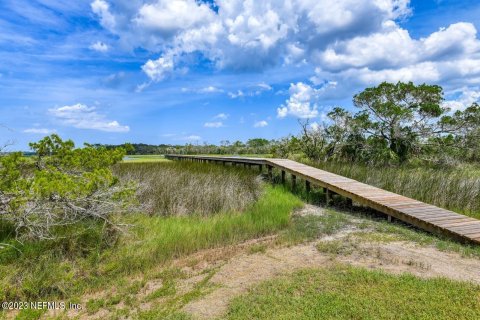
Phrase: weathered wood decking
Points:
(417, 213)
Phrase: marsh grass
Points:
(355, 293)
(180, 188)
(222, 206)
(456, 188)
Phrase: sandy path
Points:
(245, 270)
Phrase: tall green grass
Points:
(180, 188)
(456, 189)
(85, 259)
(158, 239)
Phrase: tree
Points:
(401, 114)
(62, 185)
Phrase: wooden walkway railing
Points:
(417, 213)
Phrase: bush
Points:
(60, 186)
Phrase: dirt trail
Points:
(245, 270)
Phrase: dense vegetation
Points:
(84, 256)
(60, 186)
(179, 188)
(396, 124)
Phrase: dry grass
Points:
(456, 189)
(178, 188)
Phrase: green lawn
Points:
(355, 293)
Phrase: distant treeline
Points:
(252, 146)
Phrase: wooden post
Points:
(328, 197)
(270, 174)
(294, 181)
(389, 218)
(307, 186)
(260, 167)
(283, 176)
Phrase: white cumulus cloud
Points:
(355, 43)
(84, 117)
(301, 103)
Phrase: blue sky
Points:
(186, 71)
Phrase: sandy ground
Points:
(245, 270)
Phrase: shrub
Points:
(60, 186)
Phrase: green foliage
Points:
(61, 186)
(396, 123)
(355, 293)
(52, 268)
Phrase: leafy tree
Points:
(401, 115)
(60, 186)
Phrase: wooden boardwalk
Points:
(417, 213)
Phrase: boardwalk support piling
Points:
(283, 176)
(294, 181)
(328, 196)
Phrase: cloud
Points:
(244, 35)
(251, 91)
(39, 131)
(264, 86)
(301, 103)
(192, 138)
(84, 117)
(354, 43)
(450, 56)
(159, 69)
(222, 116)
(203, 90)
(168, 17)
(99, 46)
(466, 97)
(260, 124)
(237, 94)
(210, 89)
(216, 124)
(102, 9)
